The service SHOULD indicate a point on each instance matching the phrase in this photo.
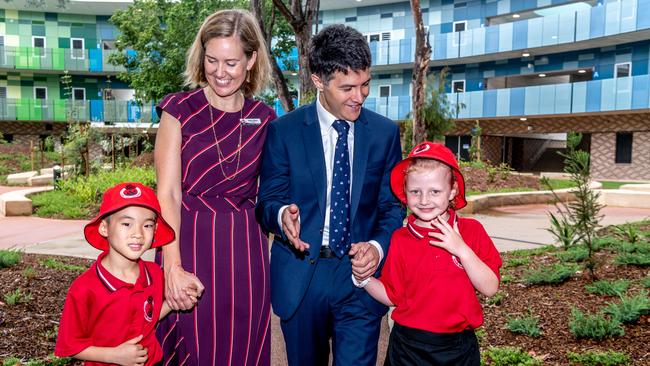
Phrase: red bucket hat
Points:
(428, 150)
(125, 195)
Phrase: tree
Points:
(420, 68)
(160, 32)
(266, 13)
(436, 114)
(301, 18)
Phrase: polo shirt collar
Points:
(420, 232)
(113, 283)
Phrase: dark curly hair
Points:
(335, 48)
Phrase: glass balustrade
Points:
(34, 58)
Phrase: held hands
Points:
(449, 238)
(291, 227)
(130, 353)
(365, 259)
(182, 289)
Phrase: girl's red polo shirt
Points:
(428, 285)
(104, 311)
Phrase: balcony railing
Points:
(108, 111)
(34, 58)
(627, 93)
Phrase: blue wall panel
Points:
(490, 103)
(643, 14)
(593, 96)
(492, 39)
(640, 92)
(520, 35)
(517, 101)
(597, 24)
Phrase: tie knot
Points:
(341, 127)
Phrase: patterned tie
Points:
(340, 195)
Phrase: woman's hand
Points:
(181, 288)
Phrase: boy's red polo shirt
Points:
(428, 285)
(104, 311)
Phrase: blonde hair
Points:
(424, 164)
(236, 23)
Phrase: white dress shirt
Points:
(329, 137)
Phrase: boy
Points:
(111, 310)
(434, 265)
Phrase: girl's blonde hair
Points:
(223, 24)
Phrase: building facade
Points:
(527, 71)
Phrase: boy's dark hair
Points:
(335, 48)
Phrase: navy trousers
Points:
(331, 309)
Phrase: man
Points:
(325, 194)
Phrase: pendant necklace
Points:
(221, 156)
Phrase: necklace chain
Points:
(220, 155)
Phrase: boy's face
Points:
(129, 231)
(428, 192)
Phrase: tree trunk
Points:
(279, 81)
(420, 68)
(301, 20)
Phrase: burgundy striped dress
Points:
(220, 240)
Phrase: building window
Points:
(78, 94)
(384, 91)
(3, 92)
(460, 26)
(39, 46)
(77, 46)
(372, 37)
(40, 92)
(386, 15)
(622, 70)
(623, 147)
(458, 86)
(350, 19)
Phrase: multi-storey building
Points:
(527, 70)
(43, 40)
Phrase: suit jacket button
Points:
(321, 231)
(312, 261)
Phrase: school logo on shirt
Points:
(148, 309)
(130, 191)
(457, 262)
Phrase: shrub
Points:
(61, 204)
(496, 299)
(573, 254)
(608, 288)
(633, 259)
(531, 252)
(55, 264)
(554, 274)
(29, 273)
(563, 231)
(595, 326)
(51, 334)
(516, 262)
(591, 358)
(527, 325)
(629, 232)
(509, 356)
(505, 278)
(630, 308)
(90, 189)
(17, 297)
(642, 247)
(645, 282)
(9, 258)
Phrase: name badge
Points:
(250, 121)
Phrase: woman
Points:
(207, 162)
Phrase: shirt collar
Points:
(420, 232)
(113, 283)
(325, 118)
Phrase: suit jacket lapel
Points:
(360, 160)
(313, 150)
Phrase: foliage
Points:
(563, 230)
(593, 326)
(645, 282)
(573, 254)
(475, 145)
(608, 288)
(611, 184)
(506, 278)
(630, 308)
(583, 213)
(438, 112)
(516, 262)
(531, 252)
(29, 273)
(17, 297)
(633, 259)
(51, 334)
(160, 32)
(554, 274)
(9, 258)
(55, 264)
(76, 148)
(628, 232)
(528, 325)
(496, 299)
(58, 203)
(591, 358)
(51, 360)
(508, 356)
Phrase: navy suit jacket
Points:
(293, 171)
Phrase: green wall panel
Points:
(38, 30)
